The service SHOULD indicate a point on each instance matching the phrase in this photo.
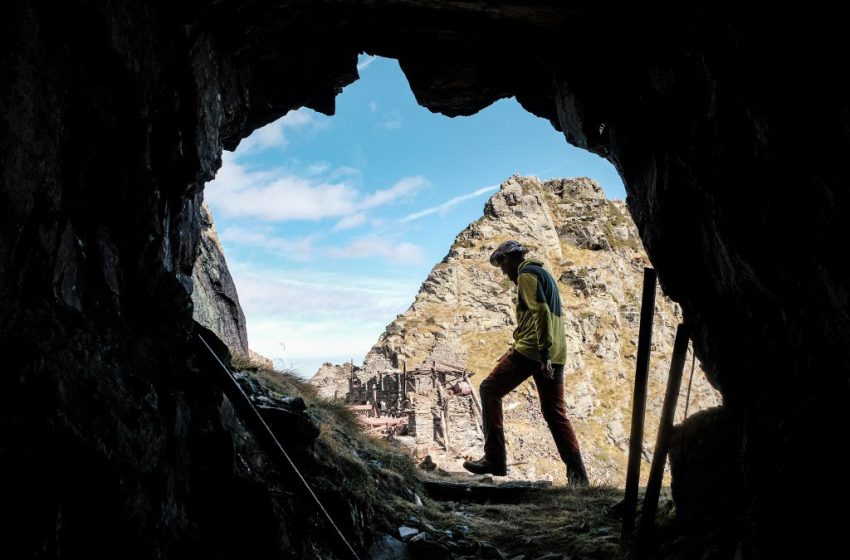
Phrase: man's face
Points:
(509, 265)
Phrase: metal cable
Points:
(259, 419)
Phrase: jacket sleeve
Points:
(527, 286)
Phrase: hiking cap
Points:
(509, 246)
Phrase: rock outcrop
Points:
(464, 314)
(214, 298)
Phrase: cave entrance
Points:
(330, 224)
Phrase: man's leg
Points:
(551, 392)
(504, 378)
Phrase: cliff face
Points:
(214, 298)
(113, 115)
(464, 313)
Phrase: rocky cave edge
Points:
(729, 126)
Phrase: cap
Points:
(510, 246)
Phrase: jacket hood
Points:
(527, 262)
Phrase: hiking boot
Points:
(576, 473)
(486, 466)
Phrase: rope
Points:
(246, 401)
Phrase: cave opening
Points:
(310, 207)
(113, 117)
(254, 201)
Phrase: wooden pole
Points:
(444, 413)
(647, 312)
(662, 444)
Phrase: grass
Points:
(557, 520)
(381, 478)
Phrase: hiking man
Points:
(539, 350)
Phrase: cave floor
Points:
(538, 522)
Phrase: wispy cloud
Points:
(302, 249)
(350, 222)
(261, 195)
(404, 188)
(370, 246)
(364, 63)
(448, 204)
(390, 121)
(297, 249)
(278, 195)
(304, 293)
(273, 135)
(303, 317)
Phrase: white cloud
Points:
(305, 317)
(318, 168)
(350, 222)
(277, 195)
(373, 106)
(364, 63)
(299, 248)
(344, 171)
(304, 347)
(297, 295)
(282, 198)
(390, 121)
(448, 204)
(369, 246)
(273, 135)
(401, 189)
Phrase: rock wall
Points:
(214, 298)
(727, 131)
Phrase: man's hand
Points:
(546, 370)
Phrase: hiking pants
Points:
(510, 371)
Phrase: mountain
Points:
(464, 314)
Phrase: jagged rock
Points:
(260, 360)
(387, 547)
(332, 380)
(214, 298)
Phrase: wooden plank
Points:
(662, 444)
(647, 312)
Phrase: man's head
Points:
(508, 256)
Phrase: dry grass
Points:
(381, 477)
(558, 520)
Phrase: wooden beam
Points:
(647, 312)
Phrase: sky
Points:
(330, 224)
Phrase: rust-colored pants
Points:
(513, 369)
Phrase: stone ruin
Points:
(431, 406)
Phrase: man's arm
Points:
(527, 286)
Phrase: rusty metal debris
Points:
(434, 402)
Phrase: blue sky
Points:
(330, 224)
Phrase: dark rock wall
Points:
(214, 298)
(729, 125)
(111, 440)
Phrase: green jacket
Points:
(540, 329)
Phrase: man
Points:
(540, 350)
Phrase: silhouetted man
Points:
(540, 350)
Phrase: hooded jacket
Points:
(540, 328)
